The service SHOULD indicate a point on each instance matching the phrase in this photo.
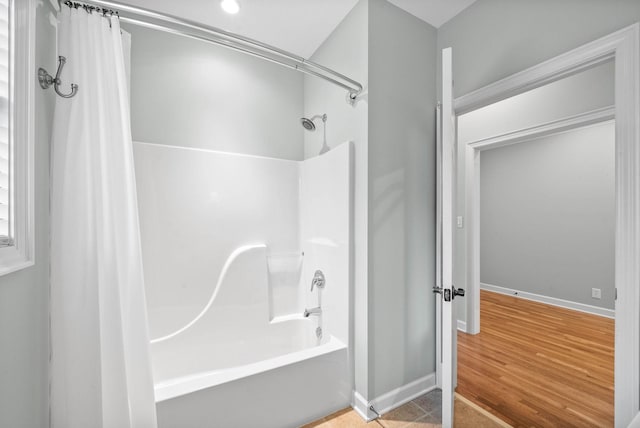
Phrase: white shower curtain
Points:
(100, 360)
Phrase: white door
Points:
(445, 288)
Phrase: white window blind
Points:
(17, 85)
(5, 141)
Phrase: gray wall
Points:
(402, 98)
(24, 295)
(191, 93)
(345, 50)
(493, 39)
(547, 215)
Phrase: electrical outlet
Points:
(596, 293)
(460, 222)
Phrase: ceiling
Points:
(298, 26)
(435, 12)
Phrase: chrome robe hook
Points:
(46, 80)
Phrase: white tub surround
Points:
(325, 198)
(198, 207)
(231, 244)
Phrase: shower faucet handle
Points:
(318, 280)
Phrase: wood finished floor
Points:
(536, 365)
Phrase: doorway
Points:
(545, 352)
(623, 47)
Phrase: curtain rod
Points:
(184, 27)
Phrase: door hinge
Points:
(615, 294)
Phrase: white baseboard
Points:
(462, 326)
(392, 399)
(399, 396)
(635, 423)
(361, 406)
(594, 310)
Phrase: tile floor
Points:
(423, 412)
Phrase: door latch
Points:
(457, 291)
(447, 294)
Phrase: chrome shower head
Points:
(308, 124)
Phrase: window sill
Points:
(12, 260)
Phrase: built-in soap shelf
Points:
(285, 318)
(284, 272)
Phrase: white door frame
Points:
(624, 48)
(446, 331)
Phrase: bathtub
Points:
(265, 357)
(235, 365)
(296, 385)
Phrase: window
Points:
(5, 205)
(17, 60)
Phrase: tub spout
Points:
(312, 311)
